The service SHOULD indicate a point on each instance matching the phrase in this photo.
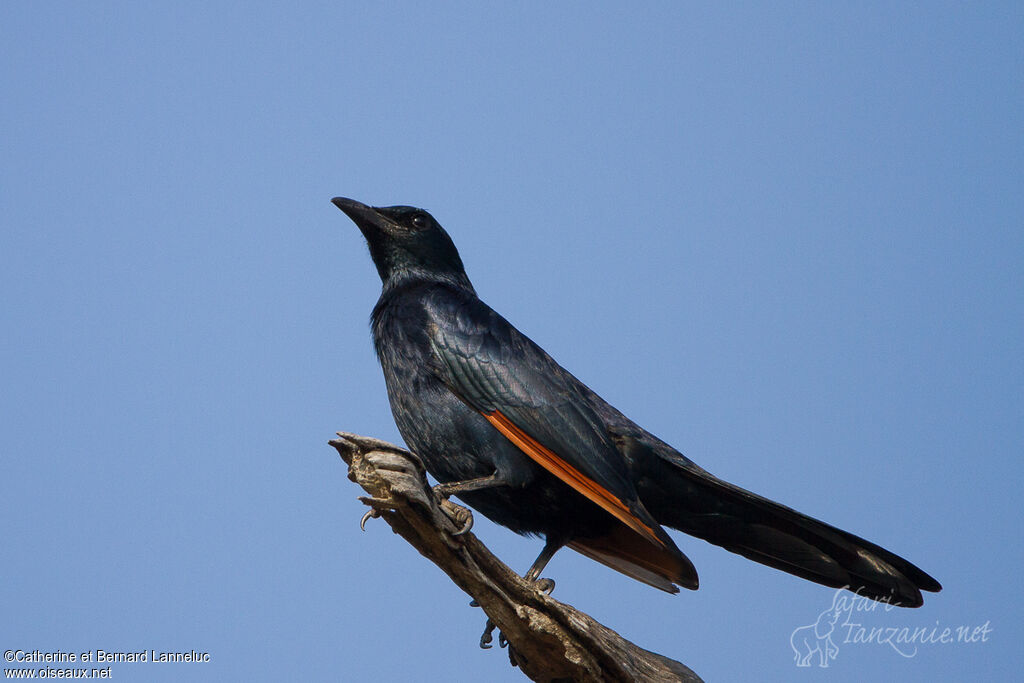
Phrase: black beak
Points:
(366, 218)
(357, 211)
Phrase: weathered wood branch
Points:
(549, 641)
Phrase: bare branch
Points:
(550, 641)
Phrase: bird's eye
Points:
(419, 221)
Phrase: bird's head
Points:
(406, 243)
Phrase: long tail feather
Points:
(685, 497)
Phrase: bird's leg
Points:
(443, 491)
(551, 547)
(466, 485)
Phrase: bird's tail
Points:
(685, 497)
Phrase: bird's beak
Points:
(357, 211)
(370, 222)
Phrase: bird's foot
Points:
(545, 586)
(462, 517)
(441, 492)
(486, 637)
(376, 506)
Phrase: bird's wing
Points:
(534, 402)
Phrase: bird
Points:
(505, 428)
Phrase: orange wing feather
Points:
(547, 459)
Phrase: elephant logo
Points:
(816, 638)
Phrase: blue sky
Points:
(788, 239)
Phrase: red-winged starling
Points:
(517, 437)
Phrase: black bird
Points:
(502, 425)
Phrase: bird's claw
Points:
(545, 586)
(376, 505)
(372, 513)
(458, 514)
(486, 637)
(467, 524)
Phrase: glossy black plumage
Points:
(543, 454)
